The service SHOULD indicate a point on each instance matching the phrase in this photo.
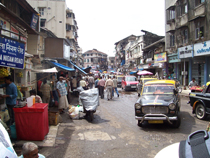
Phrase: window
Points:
(199, 31)
(185, 9)
(68, 15)
(198, 2)
(88, 60)
(68, 27)
(91, 59)
(185, 36)
(172, 40)
(42, 22)
(41, 11)
(87, 54)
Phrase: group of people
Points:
(110, 84)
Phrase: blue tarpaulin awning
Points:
(133, 72)
(63, 66)
(80, 69)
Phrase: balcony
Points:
(199, 10)
(170, 28)
(70, 21)
(182, 21)
(70, 34)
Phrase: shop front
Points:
(200, 62)
(173, 64)
(185, 54)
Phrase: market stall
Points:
(32, 122)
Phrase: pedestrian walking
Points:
(83, 84)
(11, 97)
(114, 87)
(46, 92)
(101, 84)
(61, 89)
(91, 81)
(109, 85)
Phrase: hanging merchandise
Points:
(4, 72)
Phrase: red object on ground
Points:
(32, 122)
(196, 88)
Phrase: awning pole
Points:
(184, 74)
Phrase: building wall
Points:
(32, 44)
(54, 48)
(54, 13)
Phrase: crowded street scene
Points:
(78, 80)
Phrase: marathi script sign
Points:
(11, 53)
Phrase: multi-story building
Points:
(96, 59)
(188, 39)
(121, 47)
(19, 37)
(56, 17)
(111, 63)
(130, 55)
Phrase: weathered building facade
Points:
(56, 17)
(188, 39)
(96, 59)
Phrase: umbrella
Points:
(144, 72)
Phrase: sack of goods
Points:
(90, 99)
(74, 112)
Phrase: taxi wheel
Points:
(177, 123)
(139, 124)
(200, 112)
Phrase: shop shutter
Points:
(198, 73)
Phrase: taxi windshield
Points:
(130, 78)
(158, 89)
(119, 78)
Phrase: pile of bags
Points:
(74, 111)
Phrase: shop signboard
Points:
(15, 36)
(185, 52)
(11, 53)
(201, 49)
(173, 58)
(161, 57)
(34, 21)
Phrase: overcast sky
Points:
(102, 23)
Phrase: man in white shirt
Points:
(109, 85)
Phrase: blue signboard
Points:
(11, 53)
(34, 21)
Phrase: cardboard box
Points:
(53, 118)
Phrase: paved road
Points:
(114, 132)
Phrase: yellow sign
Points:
(161, 57)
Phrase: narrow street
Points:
(114, 133)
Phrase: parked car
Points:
(129, 83)
(159, 102)
(200, 102)
(119, 80)
(142, 81)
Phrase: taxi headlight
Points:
(137, 106)
(172, 106)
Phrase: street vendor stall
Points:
(32, 122)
